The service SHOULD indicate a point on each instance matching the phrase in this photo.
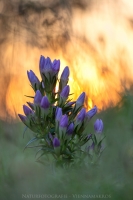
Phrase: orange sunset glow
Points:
(96, 42)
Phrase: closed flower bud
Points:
(64, 121)
(65, 92)
(27, 110)
(70, 128)
(81, 99)
(58, 114)
(56, 66)
(45, 103)
(32, 78)
(38, 97)
(65, 74)
(23, 118)
(81, 115)
(98, 126)
(91, 112)
(56, 142)
(31, 105)
(45, 65)
(64, 78)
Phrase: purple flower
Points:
(32, 78)
(45, 64)
(45, 103)
(31, 105)
(56, 66)
(65, 74)
(64, 121)
(38, 97)
(91, 112)
(27, 110)
(98, 125)
(70, 128)
(58, 114)
(23, 118)
(56, 142)
(81, 99)
(65, 92)
(81, 115)
(64, 78)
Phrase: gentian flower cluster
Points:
(60, 125)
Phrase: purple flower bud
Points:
(98, 126)
(65, 92)
(91, 112)
(81, 115)
(45, 103)
(70, 128)
(65, 74)
(64, 121)
(31, 105)
(23, 118)
(81, 99)
(58, 114)
(32, 77)
(42, 63)
(56, 142)
(38, 97)
(45, 64)
(27, 110)
(56, 66)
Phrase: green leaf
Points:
(29, 96)
(32, 140)
(25, 131)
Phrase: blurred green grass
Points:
(20, 174)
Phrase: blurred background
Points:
(95, 39)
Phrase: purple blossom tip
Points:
(38, 97)
(98, 126)
(45, 102)
(65, 92)
(23, 118)
(70, 128)
(65, 73)
(58, 114)
(64, 121)
(56, 142)
(32, 77)
(45, 64)
(81, 115)
(31, 105)
(81, 99)
(56, 66)
(92, 112)
(27, 110)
